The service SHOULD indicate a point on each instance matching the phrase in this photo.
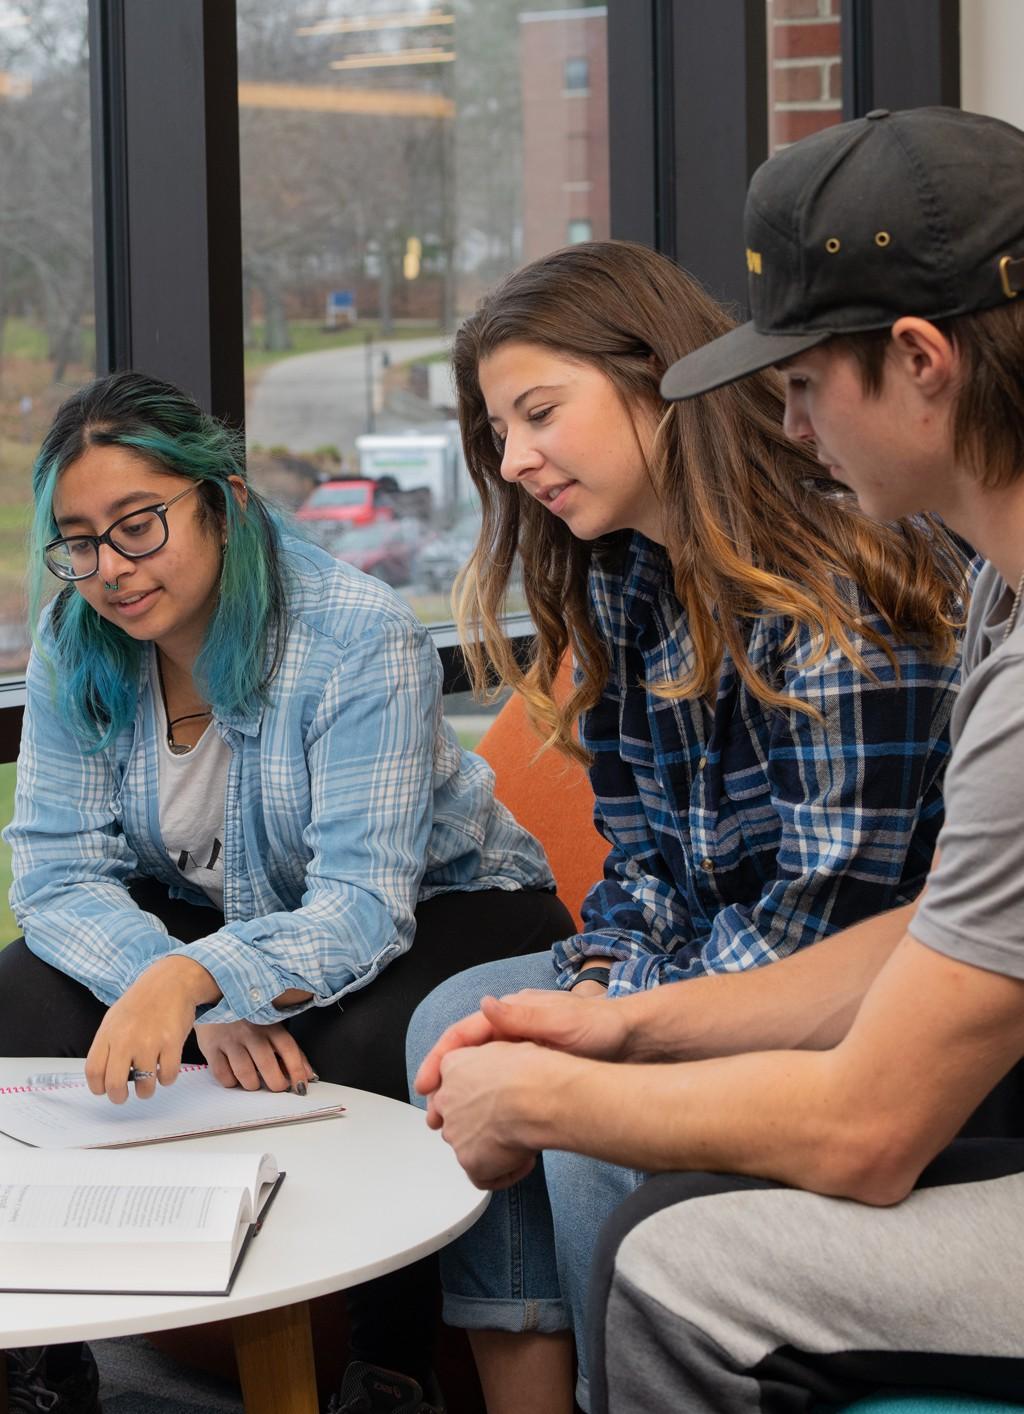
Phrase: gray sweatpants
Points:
(713, 1294)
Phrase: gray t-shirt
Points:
(973, 909)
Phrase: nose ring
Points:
(107, 584)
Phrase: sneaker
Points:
(370, 1389)
(31, 1389)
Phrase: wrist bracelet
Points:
(591, 974)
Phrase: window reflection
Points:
(398, 156)
(47, 340)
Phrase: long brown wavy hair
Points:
(754, 525)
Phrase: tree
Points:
(45, 197)
(322, 189)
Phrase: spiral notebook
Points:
(60, 1112)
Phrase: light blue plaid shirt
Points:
(348, 801)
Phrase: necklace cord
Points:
(176, 746)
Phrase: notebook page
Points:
(69, 1116)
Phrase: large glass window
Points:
(398, 157)
(46, 271)
(805, 72)
(577, 75)
(46, 286)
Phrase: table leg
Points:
(274, 1350)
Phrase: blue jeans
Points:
(525, 1265)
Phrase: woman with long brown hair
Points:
(763, 681)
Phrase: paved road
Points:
(320, 399)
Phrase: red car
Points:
(347, 502)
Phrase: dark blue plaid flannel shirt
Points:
(741, 834)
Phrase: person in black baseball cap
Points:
(886, 261)
(920, 212)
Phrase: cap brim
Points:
(735, 355)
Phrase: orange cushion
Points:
(550, 797)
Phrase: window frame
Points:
(576, 90)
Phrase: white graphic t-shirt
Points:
(192, 792)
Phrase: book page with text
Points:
(110, 1238)
(252, 1172)
(111, 1214)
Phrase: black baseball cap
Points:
(918, 212)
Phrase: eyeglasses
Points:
(136, 535)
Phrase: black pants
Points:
(359, 1041)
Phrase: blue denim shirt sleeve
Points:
(71, 861)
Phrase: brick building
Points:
(805, 80)
(564, 74)
(563, 68)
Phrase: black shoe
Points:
(370, 1389)
(32, 1389)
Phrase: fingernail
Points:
(314, 1077)
(300, 1089)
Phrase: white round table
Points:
(365, 1194)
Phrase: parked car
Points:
(441, 558)
(364, 500)
(347, 502)
(387, 549)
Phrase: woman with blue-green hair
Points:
(237, 800)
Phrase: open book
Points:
(157, 1222)
(60, 1112)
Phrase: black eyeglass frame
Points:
(159, 510)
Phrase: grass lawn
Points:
(14, 524)
(24, 339)
(310, 336)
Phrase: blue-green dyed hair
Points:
(96, 665)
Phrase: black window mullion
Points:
(639, 163)
(110, 184)
(688, 117)
(168, 207)
(721, 134)
(900, 54)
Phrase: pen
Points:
(134, 1074)
(51, 1079)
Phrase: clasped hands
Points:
(500, 1083)
(147, 1027)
